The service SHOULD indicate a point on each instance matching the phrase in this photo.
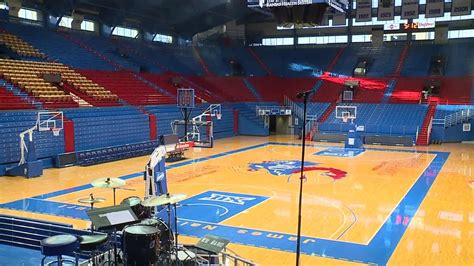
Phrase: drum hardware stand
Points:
(175, 229)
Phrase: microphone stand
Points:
(305, 98)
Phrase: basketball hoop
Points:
(345, 118)
(55, 131)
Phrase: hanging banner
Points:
(460, 7)
(386, 12)
(434, 8)
(339, 19)
(410, 9)
(363, 10)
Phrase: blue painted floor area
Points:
(340, 152)
(216, 206)
(16, 256)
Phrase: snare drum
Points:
(135, 204)
(141, 244)
(166, 236)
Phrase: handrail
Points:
(392, 130)
(269, 107)
(428, 133)
(295, 108)
(458, 117)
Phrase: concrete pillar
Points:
(14, 7)
(77, 20)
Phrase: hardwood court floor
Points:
(387, 205)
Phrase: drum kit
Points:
(150, 241)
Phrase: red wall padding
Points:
(236, 121)
(153, 134)
(69, 136)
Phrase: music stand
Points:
(115, 218)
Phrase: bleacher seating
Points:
(370, 90)
(114, 153)
(128, 87)
(457, 54)
(232, 89)
(25, 75)
(289, 62)
(315, 108)
(442, 110)
(459, 58)
(382, 60)
(57, 47)
(12, 123)
(274, 88)
(21, 47)
(330, 90)
(218, 60)
(108, 127)
(382, 119)
(407, 90)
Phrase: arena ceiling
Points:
(185, 17)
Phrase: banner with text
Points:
(363, 10)
(339, 19)
(410, 9)
(460, 7)
(434, 8)
(385, 12)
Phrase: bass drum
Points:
(141, 244)
(135, 204)
(166, 235)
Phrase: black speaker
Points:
(300, 14)
(437, 65)
(432, 86)
(386, 3)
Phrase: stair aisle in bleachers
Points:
(19, 93)
(8, 100)
(201, 61)
(252, 89)
(259, 61)
(425, 130)
(56, 47)
(389, 90)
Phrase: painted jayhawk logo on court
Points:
(284, 168)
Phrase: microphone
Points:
(303, 94)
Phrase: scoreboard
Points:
(340, 5)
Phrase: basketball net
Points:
(345, 118)
(55, 131)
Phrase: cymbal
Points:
(163, 200)
(108, 182)
(91, 200)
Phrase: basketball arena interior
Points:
(236, 132)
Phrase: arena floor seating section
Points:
(382, 119)
(106, 127)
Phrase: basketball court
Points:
(378, 206)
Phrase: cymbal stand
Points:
(114, 189)
(175, 228)
(168, 209)
(92, 207)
